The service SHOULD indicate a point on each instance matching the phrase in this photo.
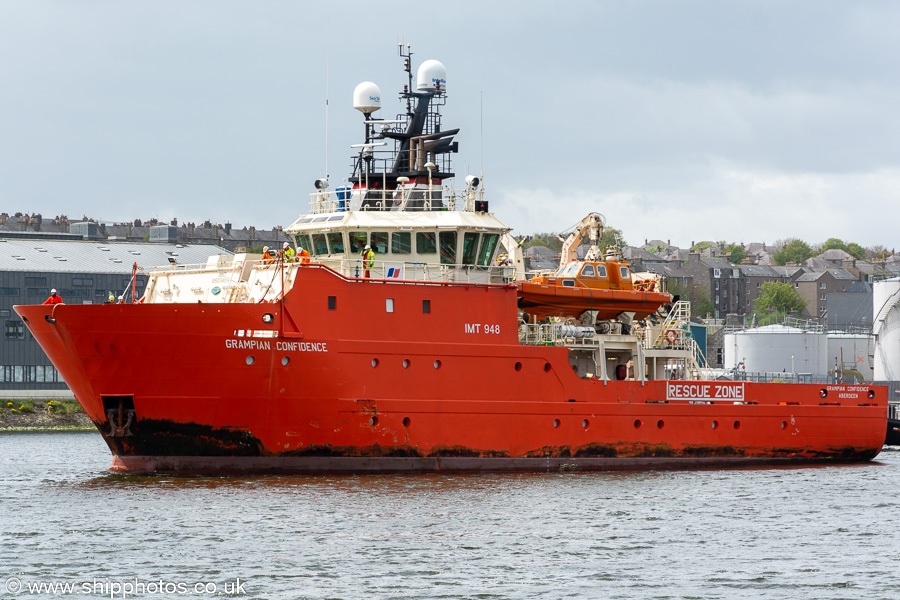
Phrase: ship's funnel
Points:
(367, 97)
(431, 76)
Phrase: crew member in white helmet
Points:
(368, 257)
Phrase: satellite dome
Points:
(367, 97)
(430, 75)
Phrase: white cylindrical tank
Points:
(431, 75)
(367, 97)
(855, 352)
(777, 349)
(886, 327)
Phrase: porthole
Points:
(406, 421)
(637, 423)
(585, 423)
(660, 424)
(556, 422)
(784, 424)
(405, 363)
(437, 364)
(268, 318)
(285, 360)
(374, 362)
(518, 366)
(823, 393)
(871, 394)
(373, 421)
(737, 424)
(250, 360)
(547, 367)
(715, 424)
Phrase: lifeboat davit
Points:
(602, 286)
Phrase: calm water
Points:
(813, 533)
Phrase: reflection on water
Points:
(822, 532)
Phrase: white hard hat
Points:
(120, 297)
(368, 247)
(265, 248)
(53, 291)
(285, 244)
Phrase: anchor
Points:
(115, 417)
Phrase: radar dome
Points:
(367, 97)
(431, 74)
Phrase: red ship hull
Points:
(357, 376)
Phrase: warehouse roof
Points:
(56, 256)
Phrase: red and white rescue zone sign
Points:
(705, 390)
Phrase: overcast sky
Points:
(682, 121)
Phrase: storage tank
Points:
(854, 349)
(777, 348)
(886, 327)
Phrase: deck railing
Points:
(418, 200)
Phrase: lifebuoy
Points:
(671, 336)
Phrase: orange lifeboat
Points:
(596, 285)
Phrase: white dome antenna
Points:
(367, 97)
(431, 76)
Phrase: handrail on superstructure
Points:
(347, 200)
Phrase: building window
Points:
(822, 286)
(15, 330)
(9, 291)
(35, 281)
(38, 291)
(822, 297)
(82, 281)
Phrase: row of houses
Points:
(60, 227)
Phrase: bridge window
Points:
(336, 241)
(448, 247)
(320, 244)
(587, 271)
(401, 242)
(623, 272)
(601, 271)
(303, 242)
(470, 248)
(380, 242)
(425, 242)
(358, 241)
(488, 245)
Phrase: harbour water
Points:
(816, 532)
